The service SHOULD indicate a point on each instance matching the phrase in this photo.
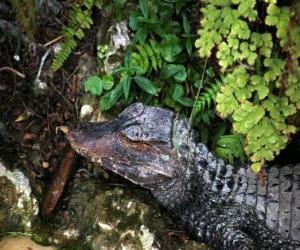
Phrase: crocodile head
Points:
(139, 146)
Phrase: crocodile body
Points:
(217, 204)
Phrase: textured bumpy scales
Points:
(223, 206)
(232, 209)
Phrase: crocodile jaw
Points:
(135, 145)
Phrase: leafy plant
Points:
(207, 97)
(150, 62)
(79, 19)
(95, 85)
(116, 8)
(260, 87)
(147, 58)
(161, 66)
(102, 51)
(145, 20)
(230, 147)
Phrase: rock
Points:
(119, 41)
(21, 243)
(18, 206)
(116, 36)
(110, 215)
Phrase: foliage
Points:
(160, 67)
(151, 62)
(79, 19)
(207, 97)
(26, 13)
(230, 147)
(260, 89)
(102, 51)
(147, 57)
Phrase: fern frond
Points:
(231, 147)
(147, 57)
(26, 14)
(79, 19)
(207, 97)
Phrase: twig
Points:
(63, 97)
(55, 40)
(58, 184)
(6, 68)
(198, 93)
(37, 78)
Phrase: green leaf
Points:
(186, 24)
(110, 98)
(128, 57)
(243, 7)
(141, 35)
(178, 95)
(186, 101)
(189, 46)
(133, 20)
(178, 92)
(256, 167)
(177, 71)
(171, 46)
(126, 81)
(144, 7)
(146, 85)
(108, 82)
(94, 85)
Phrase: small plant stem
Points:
(198, 93)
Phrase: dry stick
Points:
(6, 68)
(55, 40)
(47, 53)
(59, 182)
(193, 109)
(198, 93)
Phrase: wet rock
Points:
(119, 41)
(18, 206)
(21, 243)
(110, 215)
(117, 37)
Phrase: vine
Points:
(260, 90)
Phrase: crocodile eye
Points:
(133, 132)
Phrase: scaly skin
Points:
(154, 148)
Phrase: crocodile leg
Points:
(239, 228)
(236, 239)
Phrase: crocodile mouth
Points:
(143, 163)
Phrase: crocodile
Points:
(224, 206)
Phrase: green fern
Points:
(147, 57)
(79, 19)
(207, 97)
(230, 147)
(26, 13)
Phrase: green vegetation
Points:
(257, 48)
(254, 46)
(79, 19)
(161, 67)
